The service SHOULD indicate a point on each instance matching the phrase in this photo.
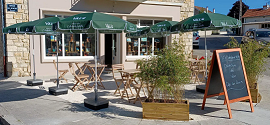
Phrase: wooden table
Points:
(100, 68)
(129, 73)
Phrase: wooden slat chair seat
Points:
(80, 79)
(62, 72)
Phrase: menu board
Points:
(233, 75)
(227, 77)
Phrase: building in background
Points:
(198, 10)
(79, 47)
(257, 18)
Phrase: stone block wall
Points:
(18, 59)
(1, 46)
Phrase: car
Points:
(262, 36)
(196, 39)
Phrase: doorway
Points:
(109, 48)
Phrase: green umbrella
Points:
(89, 22)
(13, 29)
(160, 29)
(206, 21)
(37, 27)
(138, 34)
(94, 23)
(40, 26)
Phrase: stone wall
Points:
(18, 60)
(1, 45)
(187, 10)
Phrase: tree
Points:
(234, 12)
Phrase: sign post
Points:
(227, 76)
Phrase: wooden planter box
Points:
(256, 97)
(166, 111)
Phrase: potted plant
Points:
(165, 74)
(254, 55)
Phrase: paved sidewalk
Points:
(33, 105)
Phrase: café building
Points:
(17, 50)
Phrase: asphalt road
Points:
(213, 42)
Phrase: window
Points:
(144, 46)
(69, 44)
(88, 44)
(266, 26)
(52, 46)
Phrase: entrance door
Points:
(109, 49)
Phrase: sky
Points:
(224, 6)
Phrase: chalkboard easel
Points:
(227, 76)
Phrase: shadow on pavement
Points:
(19, 94)
(109, 112)
(4, 85)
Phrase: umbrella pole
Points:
(57, 80)
(34, 81)
(57, 90)
(205, 55)
(34, 73)
(96, 94)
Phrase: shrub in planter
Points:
(166, 74)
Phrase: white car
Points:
(196, 39)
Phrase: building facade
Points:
(112, 48)
(257, 18)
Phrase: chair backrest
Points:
(71, 69)
(202, 66)
(116, 67)
(54, 64)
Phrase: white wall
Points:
(257, 19)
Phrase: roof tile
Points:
(256, 12)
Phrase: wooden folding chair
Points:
(198, 68)
(119, 80)
(138, 87)
(62, 72)
(80, 79)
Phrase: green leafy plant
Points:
(167, 73)
(254, 55)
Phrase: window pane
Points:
(146, 22)
(134, 21)
(132, 46)
(88, 44)
(159, 44)
(72, 44)
(146, 44)
(51, 45)
(157, 21)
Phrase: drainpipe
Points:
(4, 38)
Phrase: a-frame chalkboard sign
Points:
(227, 76)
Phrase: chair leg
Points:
(74, 86)
(62, 76)
(118, 88)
